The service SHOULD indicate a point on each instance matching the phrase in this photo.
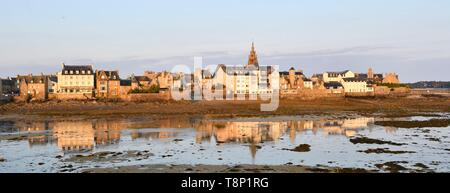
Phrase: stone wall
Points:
(386, 91)
(70, 96)
(381, 90)
(310, 94)
(401, 91)
(360, 94)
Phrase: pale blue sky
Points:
(411, 37)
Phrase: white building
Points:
(356, 85)
(249, 79)
(76, 80)
(337, 76)
(308, 83)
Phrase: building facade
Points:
(337, 76)
(33, 87)
(250, 79)
(76, 82)
(9, 86)
(107, 84)
(356, 85)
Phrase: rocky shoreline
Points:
(385, 106)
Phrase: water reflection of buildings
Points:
(257, 132)
(85, 135)
(72, 135)
(152, 135)
(253, 133)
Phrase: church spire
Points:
(253, 58)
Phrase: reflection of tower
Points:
(292, 130)
(253, 150)
(253, 58)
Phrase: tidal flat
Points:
(332, 136)
(298, 144)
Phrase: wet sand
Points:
(223, 169)
(377, 145)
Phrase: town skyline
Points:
(210, 67)
(411, 38)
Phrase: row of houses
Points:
(83, 82)
(79, 82)
(252, 79)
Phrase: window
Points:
(71, 72)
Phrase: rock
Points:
(392, 167)
(421, 165)
(2, 159)
(366, 140)
(385, 150)
(301, 148)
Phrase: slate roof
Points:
(53, 78)
(286, 73)
(141, 78)
(125, 82)
(336, 74)
(111, 75)
(356, 79)
(332, 85)
(33, 79)
(80, 68)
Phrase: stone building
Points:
(293, 80)
(388, 78)
(8, 86)
(165, 80)
(33, 87)
(140, 82)
(107, 84)
(125, 88)
(370, 76)
(391, 78)
(162, 79)
(76, 82)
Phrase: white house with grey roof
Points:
(76, 81)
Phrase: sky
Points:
(409, 37)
